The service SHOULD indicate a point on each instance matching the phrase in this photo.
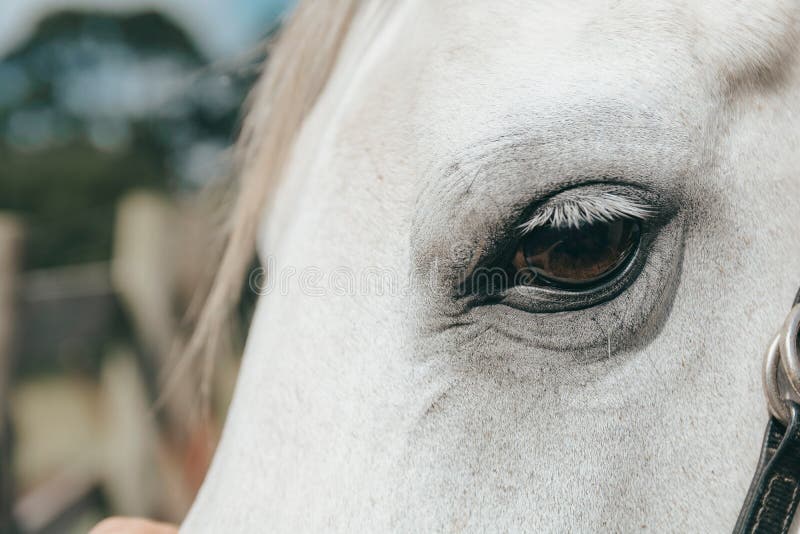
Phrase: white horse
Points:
(624, 176)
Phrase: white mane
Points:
(299, 66)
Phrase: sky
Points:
(220, 28)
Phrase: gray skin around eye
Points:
(626, 313)
(466, 209)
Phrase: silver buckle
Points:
(781, 375)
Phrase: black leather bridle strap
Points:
(775, 490)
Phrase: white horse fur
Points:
(441, 124)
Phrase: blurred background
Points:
(115, 116)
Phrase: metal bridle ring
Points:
(775, 403)
(790, 360)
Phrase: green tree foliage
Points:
(95, 105)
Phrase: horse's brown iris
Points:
(575, 258)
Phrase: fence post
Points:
(11, 233)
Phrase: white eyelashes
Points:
(582, 207)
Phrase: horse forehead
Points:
(657, 16)
(730, 37)
(476, 67)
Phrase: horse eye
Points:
(576, 258)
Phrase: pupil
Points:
(575, 257)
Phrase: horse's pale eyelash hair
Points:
(574, 209)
